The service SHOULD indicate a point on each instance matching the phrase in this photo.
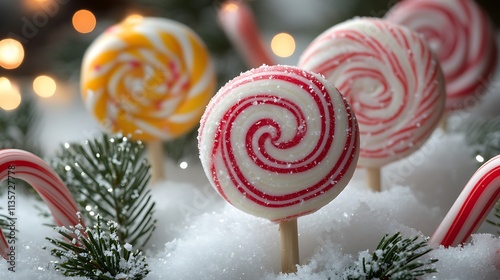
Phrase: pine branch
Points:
(395, 258)
(109, 176)
(497, 217)
(17, 127)
(98, 254)
(4, 223)
(483, 136)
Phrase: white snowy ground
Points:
(199, 236)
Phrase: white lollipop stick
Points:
(472, 206)
(26, 166)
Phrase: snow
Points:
(200, 236)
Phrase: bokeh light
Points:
(4, 84)
(10, 97)
(283, 45)
(37, 5)
(84, 21)
(183, 165)
(134, 18)
(44, 86)
(11, 53)
(479, 158)
(230, 7)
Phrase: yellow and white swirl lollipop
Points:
(150, 79)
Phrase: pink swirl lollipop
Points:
(461, 36)
(23, 165)
(390, 78)
(278, 142)
(471, 207)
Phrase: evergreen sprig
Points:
(17, 127)
(4, 222)
(497, 217)
(483, 136)
(109, 176)
(396, 258)
(97, 254)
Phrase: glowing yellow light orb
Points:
(283, 45)
(44, 86)
(11, 53)
(4, 84)
(10, 97)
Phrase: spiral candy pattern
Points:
(390, 78)
(278, 142)
(150, 78)
(463, 39)
(26, 166)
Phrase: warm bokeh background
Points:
(52, 45)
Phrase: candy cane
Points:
(18, 164)
(472, 206)
(238, 22)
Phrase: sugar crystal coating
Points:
(391, 79)
(463, 39)
(150, 78)
(278, 142)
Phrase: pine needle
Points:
(109, 176)
(97, 253)
(395, 258)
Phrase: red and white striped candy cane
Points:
(472, 206)
(238, 22)
(36, 172)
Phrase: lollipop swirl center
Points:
(142, 80)
(266, 138)
(150, 79)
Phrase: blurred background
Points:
(49, 37)
(54, 33)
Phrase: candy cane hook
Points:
(18, 164)
(472, 206)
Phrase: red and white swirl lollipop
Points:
(389, 76)
(26, 166)
(471, 207)
(279, 142)
(462, 37)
